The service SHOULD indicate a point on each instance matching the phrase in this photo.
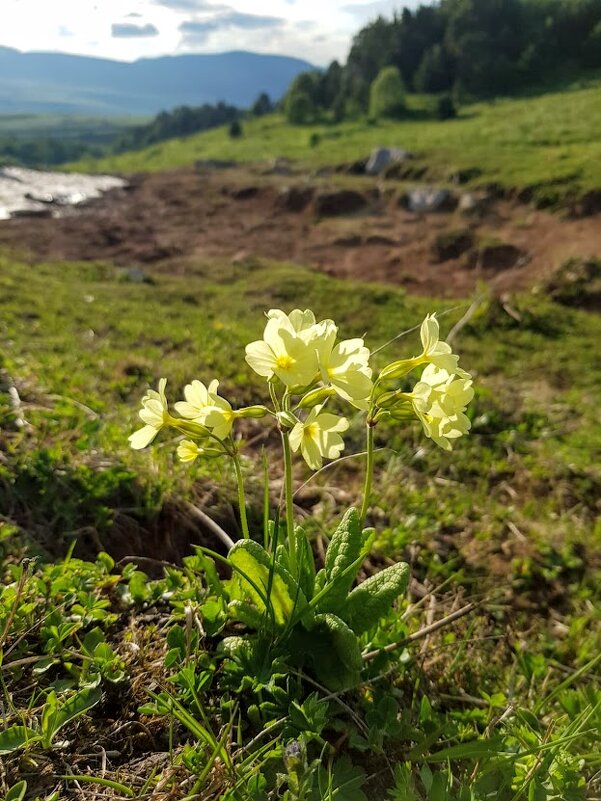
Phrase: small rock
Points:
(382, 157)
(474, 203)
(428, 199)
(341, 202)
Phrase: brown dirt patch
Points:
(166, 220)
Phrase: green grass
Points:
(549, 140)
(509, 519)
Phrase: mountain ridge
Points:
(47, 82)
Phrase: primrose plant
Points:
(312, 618)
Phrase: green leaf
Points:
(138, 587)
(247, 613)
(372, 599)
(16, 792)
(343, 560)
(56, 715)
(332, 649)
(16, 737)
(345, 545)
(476, 749)
(266, 584)
(306, 562)
(343, 782)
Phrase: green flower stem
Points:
(289, 501)
(241, 495)
(369, 470)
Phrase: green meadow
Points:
(548, 141)
(503, 703)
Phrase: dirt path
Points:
(166, 221)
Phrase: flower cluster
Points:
(307, 367)
(440, 398)
(302, 352)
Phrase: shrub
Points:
(387, 94)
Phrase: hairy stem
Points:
(241, 496)
(369, 471)
(289, 501)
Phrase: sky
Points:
(316, 30)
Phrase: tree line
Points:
(466, 49)
(51, 151)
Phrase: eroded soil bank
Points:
(342, 225)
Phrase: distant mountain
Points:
(65, 84)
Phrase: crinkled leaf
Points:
(345, 545)
(372, 599)
(263, 582)
(247, 613)
(332, 649)
(343, 560)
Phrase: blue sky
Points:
(317, 30)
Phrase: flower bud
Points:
(286, 419)
(315, 397)
(387, 399)
(381, 414)
(398, 369)
(252, 411)
(191, 428)
(403, 412)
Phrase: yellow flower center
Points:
(312, 430)
(284, 362)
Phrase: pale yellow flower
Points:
(439, 400)
(434, 351)
(318, 437)
(155, 413)
(297, 319)
(344, 366)
(284, 351)
(205, 406)
(189, 451)
(199, 399)
(220, 420)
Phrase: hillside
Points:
(506, 521)
(549, 142)
(65, 84)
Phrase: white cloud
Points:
(85, 26)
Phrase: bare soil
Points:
(168, 220)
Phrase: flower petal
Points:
(142, 437)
